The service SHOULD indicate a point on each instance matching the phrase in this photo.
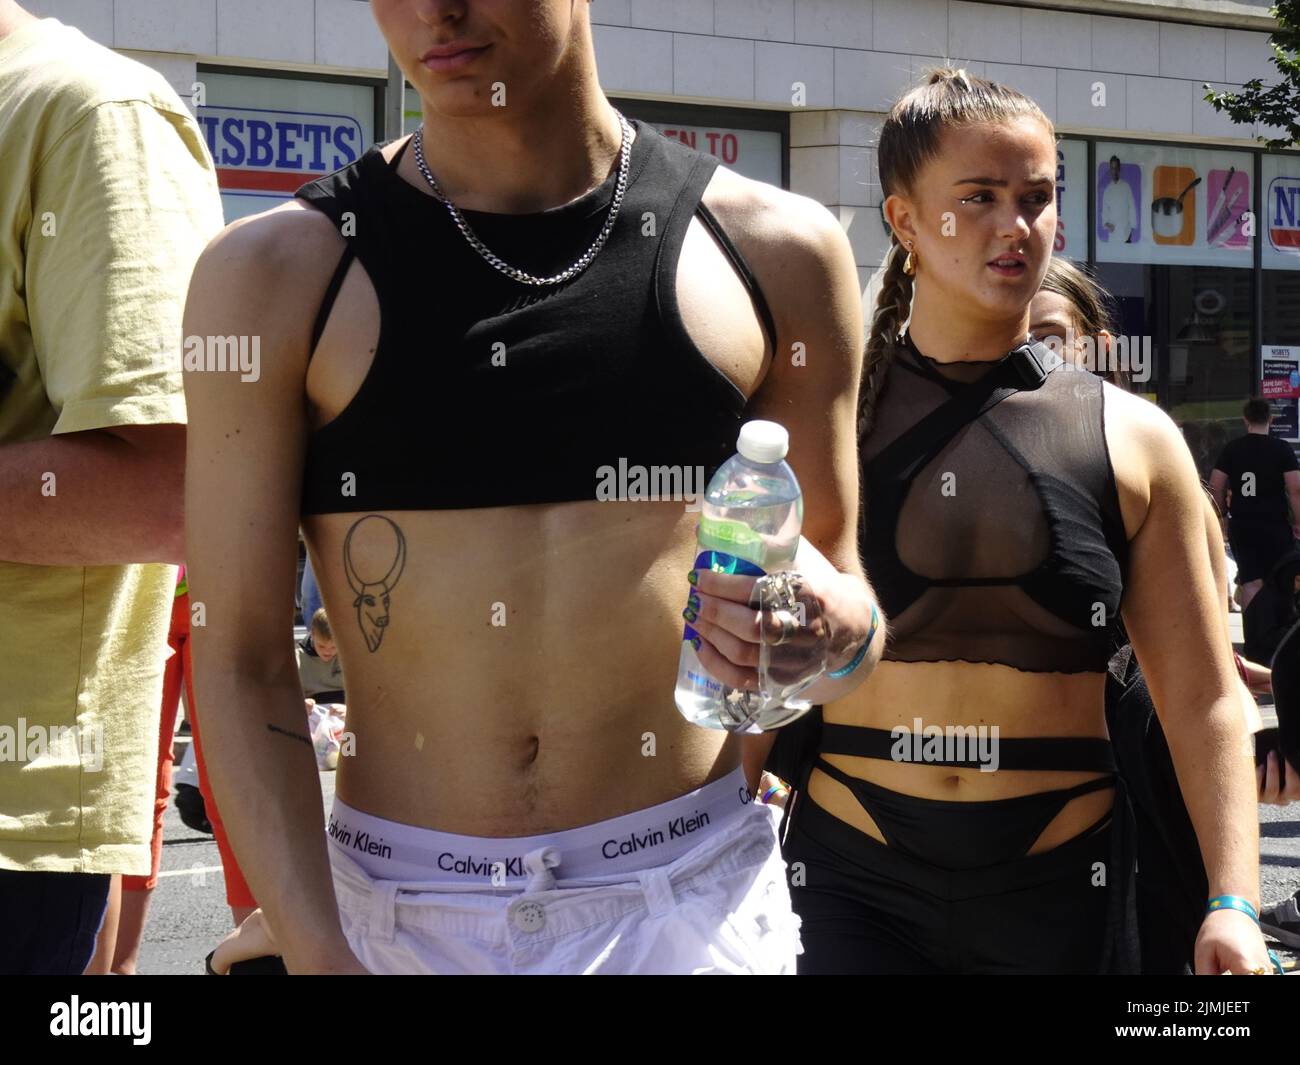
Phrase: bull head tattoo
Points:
(378, 540)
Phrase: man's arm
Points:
(242, 492)
(126, 198)
(104, 497)
(808, 273)
(1292, 481)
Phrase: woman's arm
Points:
(1173, 615)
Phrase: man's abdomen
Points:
(519, 678)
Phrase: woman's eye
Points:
(1039, 198)
(979, 197)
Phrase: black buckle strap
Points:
(1023, 369)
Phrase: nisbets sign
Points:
(1283, 202)
(272, 153)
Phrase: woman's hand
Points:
(253, 939)
(837, 611)
(1271, 787)
(1231, 942)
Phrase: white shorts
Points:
(694, 885)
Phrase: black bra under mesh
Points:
(1007, 545)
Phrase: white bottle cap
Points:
(763, 442)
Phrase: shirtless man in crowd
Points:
(524, 796)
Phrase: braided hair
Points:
(909, 138)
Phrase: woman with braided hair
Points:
(960, 810)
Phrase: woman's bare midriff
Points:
(963, 693)
(524, 681)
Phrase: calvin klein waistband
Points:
(389, 850)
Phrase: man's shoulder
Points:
(1231, 450)
(283, 244)
(783, 235)
(771, 219)
(67, 76)
(1285, 451)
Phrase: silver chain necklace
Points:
(523, 277)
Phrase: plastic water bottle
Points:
(749, 524)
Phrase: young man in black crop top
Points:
(531, 292)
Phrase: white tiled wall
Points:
(853, 57)
(255, 29)
(166, 25)
(845, 23)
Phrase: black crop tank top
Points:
(487, 392)
(1007, 546)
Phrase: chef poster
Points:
(1281, 387)
(1119, 195)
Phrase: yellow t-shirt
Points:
(107, 197)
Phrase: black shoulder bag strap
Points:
(1024, 369)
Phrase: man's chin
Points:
(463, 98)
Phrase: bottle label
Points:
(722, 562)
(731, 536)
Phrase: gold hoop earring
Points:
(909, 264)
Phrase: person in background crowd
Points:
(1274, 609)
(107, 196)
(138, 890)
(1256, 481)
(320, 671)
(309, 592)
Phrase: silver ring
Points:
(789, 626)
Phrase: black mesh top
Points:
(1008, 546)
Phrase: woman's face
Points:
(1053, 320)
(982, 218)
(476, 57)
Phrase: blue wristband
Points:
(1231, 902)
(844, 671)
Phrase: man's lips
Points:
(452, 56)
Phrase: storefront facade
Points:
(793, 92)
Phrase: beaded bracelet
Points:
(844, 671)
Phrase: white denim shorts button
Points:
(529, 917)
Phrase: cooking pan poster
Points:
(1178, 205)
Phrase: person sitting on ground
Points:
(319, 667)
